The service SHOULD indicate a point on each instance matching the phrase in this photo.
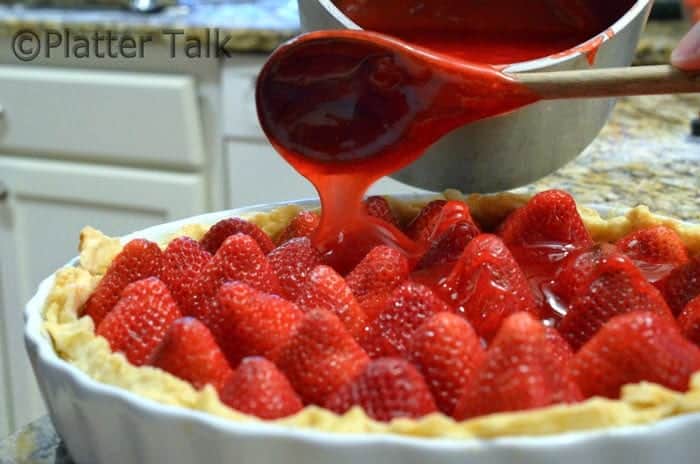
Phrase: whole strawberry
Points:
(379, 272)
(139, 259)
(258, 388)
(560, 347)
(238, 259)
(292, 261)
(189, 351)
(419, 228)
(635, 347)
(408, 306)
(387, 388)
(326, 289)
(222, 230)
(320, 357)
(436, 218)
(447, 351)
(376, 344)
(139, 320)
(616, 287)
(378, 207)
(577, 271)
(253, 323)
(486, 285)
(544, 232)
(449, 247)
(656, 251)
(521, 371)
(689, 321)
(183, 261)
(302, 225)
(681, 285)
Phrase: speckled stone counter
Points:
(35, 444)
(254, 25)
(644, 155)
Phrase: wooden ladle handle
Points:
(611, 82)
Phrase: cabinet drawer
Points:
(117, 117)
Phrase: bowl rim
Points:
(530, 65)
(38, 343)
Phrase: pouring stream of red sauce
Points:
(349, 108)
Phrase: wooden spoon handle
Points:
(611, 82)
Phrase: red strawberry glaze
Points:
(344, 114)
(475, 30)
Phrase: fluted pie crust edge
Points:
(74, 340)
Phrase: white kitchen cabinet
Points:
(46, 205)
(257, 174)
(4, 400)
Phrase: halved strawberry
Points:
(689, 320)
(449, 246)
(521, 371)
(388, 388)
(681, 285)
(138, 259)
(486, 285)
(656, 251)
(377, 206)
(220, 231)
(303, 225)
(190, 352)
(183, 261)
(447, 351)
(253, 323)
(544, 232)
(326, 289)
(239, 259)
(436, 218)
(616, 287)
(139, 320)
(258, 388)
(292, 261)
(320, 357)
(635, 347)
(408, 306)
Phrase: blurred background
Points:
(124, 143)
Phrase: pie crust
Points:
(75, 341)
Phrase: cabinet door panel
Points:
(48, 204)
(5, 426)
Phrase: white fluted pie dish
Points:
(104, 424)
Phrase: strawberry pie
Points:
(520, 316)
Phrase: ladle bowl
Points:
(520, 147)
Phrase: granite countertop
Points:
(254, 25)
(644, 155)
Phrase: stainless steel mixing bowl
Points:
(514, 149)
